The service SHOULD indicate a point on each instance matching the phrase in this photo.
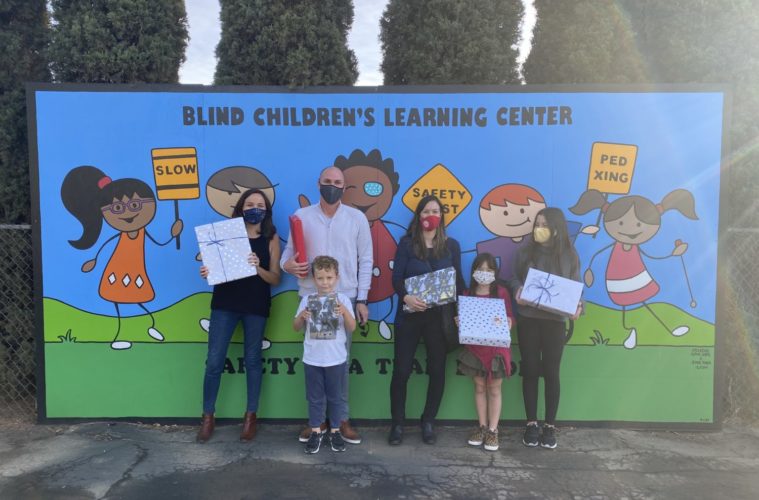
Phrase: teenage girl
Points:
(246, 300)
(541, 333)
(128, 206)
(487, 365)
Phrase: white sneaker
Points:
(265, 344)
(384, 330)
(680, 331)
(632, 340)
(120, 345)
(155, 334)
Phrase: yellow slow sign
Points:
(176, 173)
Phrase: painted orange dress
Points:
(125, 280)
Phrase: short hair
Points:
(324, 262)
(516, 194)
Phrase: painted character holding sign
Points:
(632, 221)
(127, 205)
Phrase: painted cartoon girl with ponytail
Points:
(128, 206)
(631, 221)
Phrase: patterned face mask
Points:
(254, 215)
(484, 277)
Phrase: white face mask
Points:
(484, 277)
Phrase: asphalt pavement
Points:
(133, 461)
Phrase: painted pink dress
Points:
(627, 279)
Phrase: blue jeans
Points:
(220, 332)
(324, 393)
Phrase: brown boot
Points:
(248, 426)
(206, 428)
(306, 432)
(349, 433)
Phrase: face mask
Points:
(430, 222)
(254, 215)
(541, 234)
(484, 277)
(330, 193)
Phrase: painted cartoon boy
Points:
(370, 184)
(508, 211)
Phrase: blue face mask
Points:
(254, 215)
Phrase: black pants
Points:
(541, 342)
(412, 327)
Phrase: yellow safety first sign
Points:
(611, 167)
(439, 181)
(176, 173)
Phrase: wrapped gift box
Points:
(551, 292)
(224, 248)
(324, 322)
(483, 321)
(435, 288)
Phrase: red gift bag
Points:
(299, 243)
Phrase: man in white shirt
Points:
(339, 231)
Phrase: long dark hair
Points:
(559, 242)
(267, 226)
(483, 258)
(86, 189)
(439, 248)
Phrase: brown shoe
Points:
(206, 428)
(248, 426)
(306, 432)
(349, 433)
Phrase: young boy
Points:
(327, 316)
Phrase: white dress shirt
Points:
(346, 237)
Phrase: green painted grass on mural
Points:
(181, 323)
(647, 384)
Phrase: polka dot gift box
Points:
(225, 248)
(483, 321)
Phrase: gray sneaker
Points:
(548, 438)
(314, 443)
(531, 435)
(336, 441)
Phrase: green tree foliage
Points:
(450, 41)
(711, 41)
(23, 37)
(118, 41)
(654, 41)
(294, 43)
(582, 41)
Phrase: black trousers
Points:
(541, 343)
(412, 328)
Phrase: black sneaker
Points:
(336, 441)
(531, 435)
(313, 443)
(548, 438)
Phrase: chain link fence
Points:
(739, 289)
(18, 386)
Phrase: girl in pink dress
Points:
(631, 221)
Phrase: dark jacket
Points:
(542, 260)
(406, 264)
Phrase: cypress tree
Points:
(294, 43)
(23, 36)
(582, 41)
(450, 41)
(118, 41)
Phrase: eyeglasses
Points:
(373, 188)
(133, 205)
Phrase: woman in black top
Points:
(246, 300)
(541, 334)
(424, 248)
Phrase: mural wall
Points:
(123, 313)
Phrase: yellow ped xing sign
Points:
(439, 181)
(611, 167)
(176, 173)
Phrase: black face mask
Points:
(330, 193)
